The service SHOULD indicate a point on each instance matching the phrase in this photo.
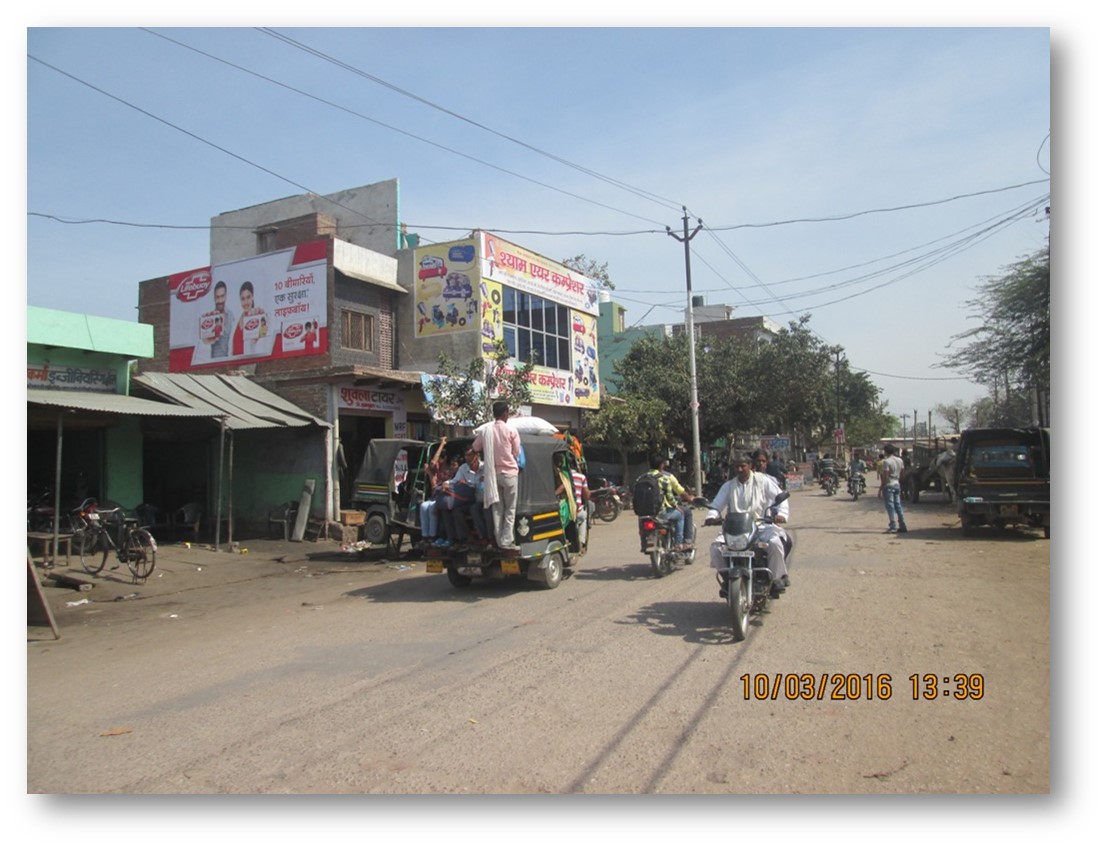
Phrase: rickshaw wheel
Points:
(457, 579)
(375, 529)
(552, 572)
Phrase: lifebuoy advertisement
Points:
(265, 307)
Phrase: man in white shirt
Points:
(754, 492)
(890, 490)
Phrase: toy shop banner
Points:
(264, 307)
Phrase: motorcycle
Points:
(829, 481)
(657, 540)
(607, 503)
(745, 575)
(40, 511)
(856, 485)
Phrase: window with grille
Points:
(533, 324)
(357, 330)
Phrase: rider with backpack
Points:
(658, 492)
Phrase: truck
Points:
(1002, 478)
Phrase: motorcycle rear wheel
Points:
(661, 563)
(739, 604)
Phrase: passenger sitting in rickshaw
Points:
(436, 474)
(457, 502)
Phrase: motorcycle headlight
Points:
(737, 541)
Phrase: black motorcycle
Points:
(745, 575)
(856, 484)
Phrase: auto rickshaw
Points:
(391, 485)
(545, 550)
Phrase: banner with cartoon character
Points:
(265, 307)
(446, 296)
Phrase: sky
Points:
(869, 177)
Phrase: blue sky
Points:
(748, 128)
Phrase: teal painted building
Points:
(69, 352)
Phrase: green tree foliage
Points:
(1009, 351)
(785, 385)
(590, 268)
(630, 425)
(463, 394)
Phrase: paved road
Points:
(330, 674)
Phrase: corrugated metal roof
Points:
(244, 404)
(118, 404)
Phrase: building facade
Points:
(327, 302)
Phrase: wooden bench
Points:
(46, 540)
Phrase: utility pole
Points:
(685, 239)
(839, 421)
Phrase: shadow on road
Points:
(699, 622)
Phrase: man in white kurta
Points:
(750, 491)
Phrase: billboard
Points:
(265, 307)
(446, 288)
(514, 266)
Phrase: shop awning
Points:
(115, 404)
(238, 400)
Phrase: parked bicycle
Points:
(132, 544)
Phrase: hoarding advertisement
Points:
(264, 307)
(525, 271)
(554, 386)
(445, 293)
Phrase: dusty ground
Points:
(332, 674)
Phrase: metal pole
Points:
(57, 490)
(218, 496)
(685, 239)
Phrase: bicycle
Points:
(132, 544)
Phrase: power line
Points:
(639, 192)
(399, 130)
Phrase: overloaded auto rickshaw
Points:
(392, 485)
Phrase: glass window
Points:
(522, 309)
(509, 306)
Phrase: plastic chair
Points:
(189, 517)
(284, 516)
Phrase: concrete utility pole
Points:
(685, 239)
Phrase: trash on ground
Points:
(127, 597)
(76, 603)
(117, 731)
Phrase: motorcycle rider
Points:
(753, 492)
(671, 492)
(827, 465)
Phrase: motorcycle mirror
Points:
(700, 501)
(782, 496)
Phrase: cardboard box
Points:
(352, 517)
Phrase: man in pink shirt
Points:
(501, 444)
